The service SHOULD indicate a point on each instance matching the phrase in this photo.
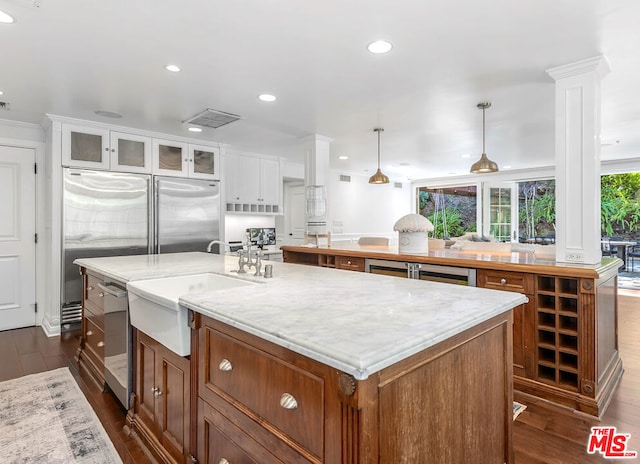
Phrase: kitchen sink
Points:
(154, 307)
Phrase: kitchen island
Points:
(315, 366)
(565, 342)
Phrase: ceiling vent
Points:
(5, 106)
(212, 118)
(397, 185)
(344, 178)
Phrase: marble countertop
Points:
(355, 322)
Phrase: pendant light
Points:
(378, 177)
(484, 164)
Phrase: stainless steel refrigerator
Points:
(112, 214)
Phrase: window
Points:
(452, 210)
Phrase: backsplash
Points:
(235, 225)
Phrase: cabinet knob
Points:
(113, 150)
(100, 344)
(89, 333)
(288, 401)
(100, 294)
(156, 392)
(349, 263)
(223, 461)
(106, 149)
(503, 281)
(225, 365)
(89, 288)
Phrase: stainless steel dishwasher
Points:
(117, 341)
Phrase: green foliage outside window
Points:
(620, 203)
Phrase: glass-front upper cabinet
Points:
(89, 147)
(204, 162)
(130, 153)
(170, 158)
(85, 147)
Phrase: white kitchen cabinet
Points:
(171, 158)
(97, 148)
(204, 162)
(252, 184)
(85, 147)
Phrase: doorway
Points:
(294, 216)
(17, 237)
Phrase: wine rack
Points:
(557, 335)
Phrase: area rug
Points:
(45, 418)
(518, 409)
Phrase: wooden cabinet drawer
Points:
(94, 301)
(274, 391)
(350, 264)
(507, 281)
(221, 441)
(94, 344)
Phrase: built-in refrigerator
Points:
(113, 214)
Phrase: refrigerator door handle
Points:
(156, 227)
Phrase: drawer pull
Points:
(503, 281)
(225, 365)
(288, 401)
(100, 344)
(223, 461)
(89, 288)
(156, 392)
(349, 263)
(89, 333)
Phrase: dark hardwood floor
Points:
(543, 433)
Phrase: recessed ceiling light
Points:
(404, 163)
(380, 46)
(172, 68)
(108, 114)
(195, 129)
(506, 167)
(343, 157)
(466, 155)
(1, 92)
(267, 97)
(452, 173)
(5, 18)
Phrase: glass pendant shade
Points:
(484, 164)
(378, 177)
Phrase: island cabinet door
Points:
(523, 316)
(145, 407)
(162, 398)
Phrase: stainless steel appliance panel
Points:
(118, 341)
(104, 214)
(186, 214)
(432, 272)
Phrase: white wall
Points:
(360, 208)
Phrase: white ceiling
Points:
(73, 58)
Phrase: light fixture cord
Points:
(378, 149)
(483, 131)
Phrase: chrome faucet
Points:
(244, 259)
(219, 242)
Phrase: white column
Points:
(317, 157)
(578, 160)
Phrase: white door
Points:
(17, 238)
(295, 215)
(501, 211)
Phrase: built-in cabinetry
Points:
(523, 315)
(331, 260)
(261, 403)
(91, 350)
(565, 346)
(100, 148)
(161, 408)
(253, 184)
